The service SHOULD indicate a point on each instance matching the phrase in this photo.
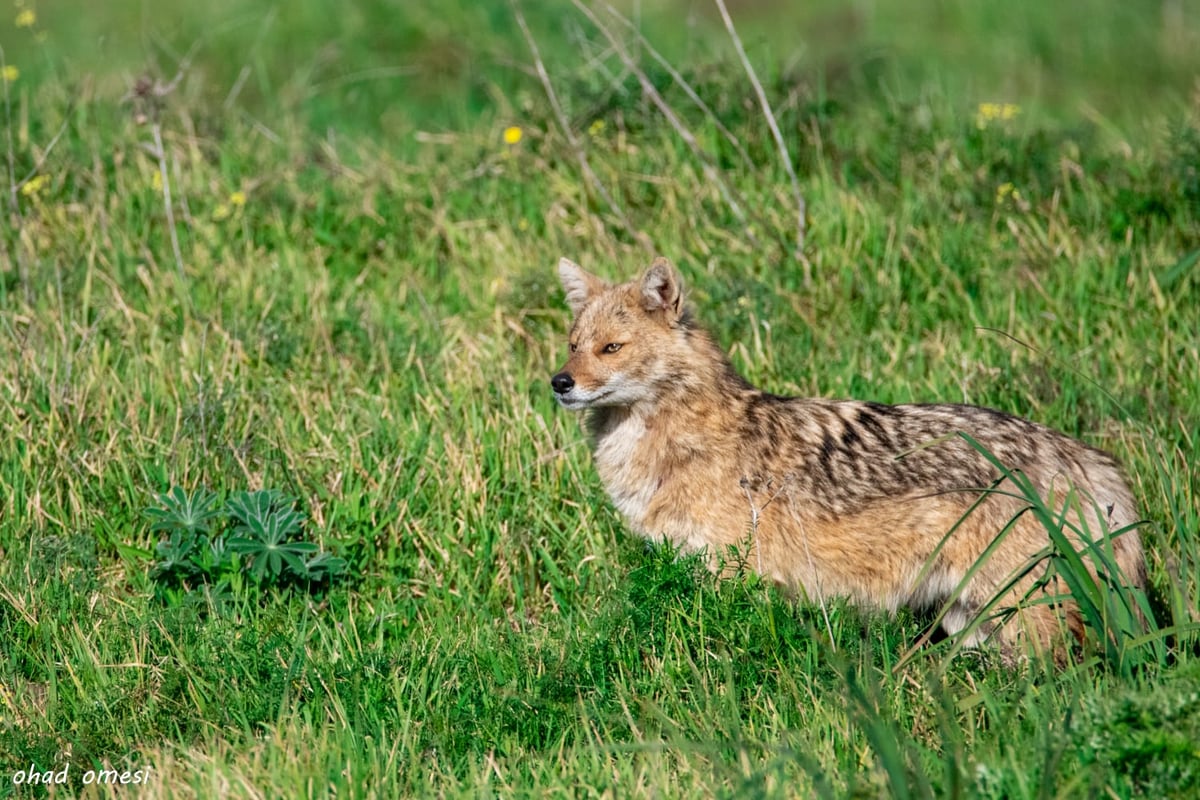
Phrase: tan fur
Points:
(827, 498)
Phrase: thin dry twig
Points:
(8, 129)
(564, 124)
(706, 163)
(148, 97)
(681, 82)
(45, 156)
(244, 73)
(13, 188)
(775, 132)
(161, 153)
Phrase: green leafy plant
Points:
(266, 533)
(256, 535)
(179, 511)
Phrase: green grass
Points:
(373, 329)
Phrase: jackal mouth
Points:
(574, 402)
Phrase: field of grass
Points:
(310, 248)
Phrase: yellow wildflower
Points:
(34, 185)
(596, 128)
(232, 205)
(26, 18)
(10, 73)
(512, 134)
(1007, 191)
(156, 180)
(987, 112)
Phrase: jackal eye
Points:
(572, 347)
(612, 347)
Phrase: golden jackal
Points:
(886, 505)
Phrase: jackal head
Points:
(623, 339)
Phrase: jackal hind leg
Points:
(1037, 621)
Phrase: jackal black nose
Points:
(562, 383)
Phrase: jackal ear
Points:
(662, 289)
(580, 285)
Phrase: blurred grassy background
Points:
(388, 69)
